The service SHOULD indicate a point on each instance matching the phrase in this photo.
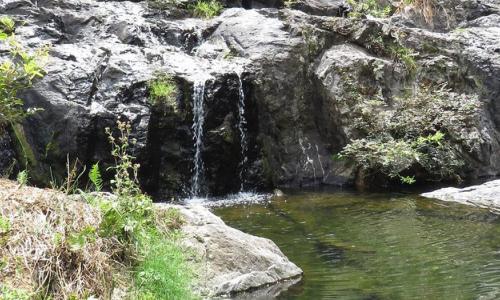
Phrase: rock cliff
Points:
(292, 64)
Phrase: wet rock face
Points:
(7, 154)
(292, 63)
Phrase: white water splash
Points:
(229, 200)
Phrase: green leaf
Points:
(95, 177)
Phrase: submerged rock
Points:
(231, 261)
(486, 195)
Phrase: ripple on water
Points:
(354, 246)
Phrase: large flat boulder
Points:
(485, 195)
(231, 261)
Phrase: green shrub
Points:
(206, 8)
(388, 156)
(4, 225)
(131, 213)
(8, 293)
(163, 92)
(160, 268)
(17, 72)
(7, 26)
(428, 131)
(290, 3)
(386, 45)
(404, 55)
(374, 8)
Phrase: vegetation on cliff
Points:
(17, 72)
(420, 134)
(91, 245)
(53, 246)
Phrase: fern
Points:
(95, 177)
(22, 177)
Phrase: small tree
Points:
(17, 72)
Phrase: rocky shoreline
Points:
(225, 261)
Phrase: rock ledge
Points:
(486, 195)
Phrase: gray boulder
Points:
(232, 262)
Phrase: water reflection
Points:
(379, 246)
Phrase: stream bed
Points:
(378, 246)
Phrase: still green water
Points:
(379, 246)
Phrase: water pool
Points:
(378, 246)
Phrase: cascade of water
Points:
(242, 127)
(309, 162)
(198, 120)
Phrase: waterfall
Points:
(198, 120)
(242, 127)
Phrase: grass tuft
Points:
(163, 91)
(162, 272)
(206, 9)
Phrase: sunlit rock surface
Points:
(231, 261)
(486, 195)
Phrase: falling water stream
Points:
(198, 121)
(242, 127)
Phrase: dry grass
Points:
(37, 252)
(426, 8)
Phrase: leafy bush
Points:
(160, 269)
(206, 8)
(22, 177)
(375, 8)
(4, 227)
(17, 72)
(426, 131)
(290, 3)
(387, 45)
(404, 55)
(7, 26)
(132, 212)
(8, 293)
